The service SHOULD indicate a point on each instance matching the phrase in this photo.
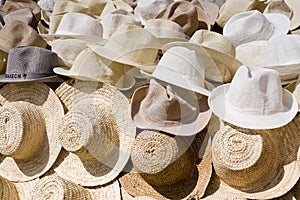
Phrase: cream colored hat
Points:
(30, 113)
(112, 5)
(295, 7)
(166, 167)
(97, 135)
(278, 6)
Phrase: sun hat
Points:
(253, 25)
(254, 99)
(295, 7)
(46, 5)
(189, 16)
(170, 109)
(280, 53)
(31, 112)
(113, 5)
(148, 9)
(131, 46)
(132, 3)
(24, 15)
(89, 66)
(166, 167)
(211, 9)
(28, 63)
(219, 3)
(126, 196)
(19, 34)
(89, 30)
(233, 7)
(114, 19)
(255, 164)
(51, 186)
(96, 134)
(278, 6)
(165, 30)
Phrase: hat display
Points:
(254, 99)
(30, 113)
(158, 161)
(170, 109)
(28, 63)
(97, 135)
(253, 25)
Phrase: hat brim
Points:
(280, 22)
(40, 95)
(89, 38)
(217, 102)
(179, 128)
(54, 78)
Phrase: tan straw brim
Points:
(41, 95)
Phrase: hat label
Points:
(16, 76)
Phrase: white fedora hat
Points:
(254, 99)
(253, 25)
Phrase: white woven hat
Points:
(281, 53)
(253, 25)
(254, 99)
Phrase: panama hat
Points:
(280, 53)
(166, 167)
(136, 47)
(278, 6)
(254, 99)
(96, 134)
(111, 6)
(29, 63)
(295, 7)
(255, 164)
(253, 25)
(46, 5)
(32, 111)
(24, 15)
(170, 109)
(51, 186)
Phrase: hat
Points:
(278, 6)
(28, 63)
(211, 9)
(111, 6)
(295, 7)
(170, 109)
(114, 19)
(132, 3)
(254, 99)
(97, 135)
(167, 167)
(136, 47)
(90, 66)
(19, 34)
(89, 30)
(165, 30)
(253, 25)
(149, 9)
(31, 112)
(24, 15)
(51, 186)
(281, 53)
(219, 3)
(255, 164)
(46, 5)
(189, 16)
(233, 7)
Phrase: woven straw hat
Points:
(29, 116)
(278, 6)
(24, 15)
(52, 186)
(295, 7)
(126, 196)
(165, 168)
(97, 134)
(255, 164)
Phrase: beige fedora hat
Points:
(112, 5)
(171, 109)
(97, 135)
(165, 167)
(31, 112)
(255, 164)
(51, 186)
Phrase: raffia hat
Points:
(170, 109)
(136, 47)
(295, 7)
(52, 186)
(253, 25)
(164, 167)
(255, 164)
(31, 112)
(96, 134)
(254, 99)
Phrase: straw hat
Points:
(136, 47)
(112, 5)
(255, 164)
(253, 25)
(254, 99)
(295, 7)
(280, 53)
(46, 5)
(158, 161)
(24, 157)
(170, 109)
(52, 186)
(97, 134)
(278, 6)
(24, 15)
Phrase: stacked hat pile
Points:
(149, 99)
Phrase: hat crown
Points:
(255, 91)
